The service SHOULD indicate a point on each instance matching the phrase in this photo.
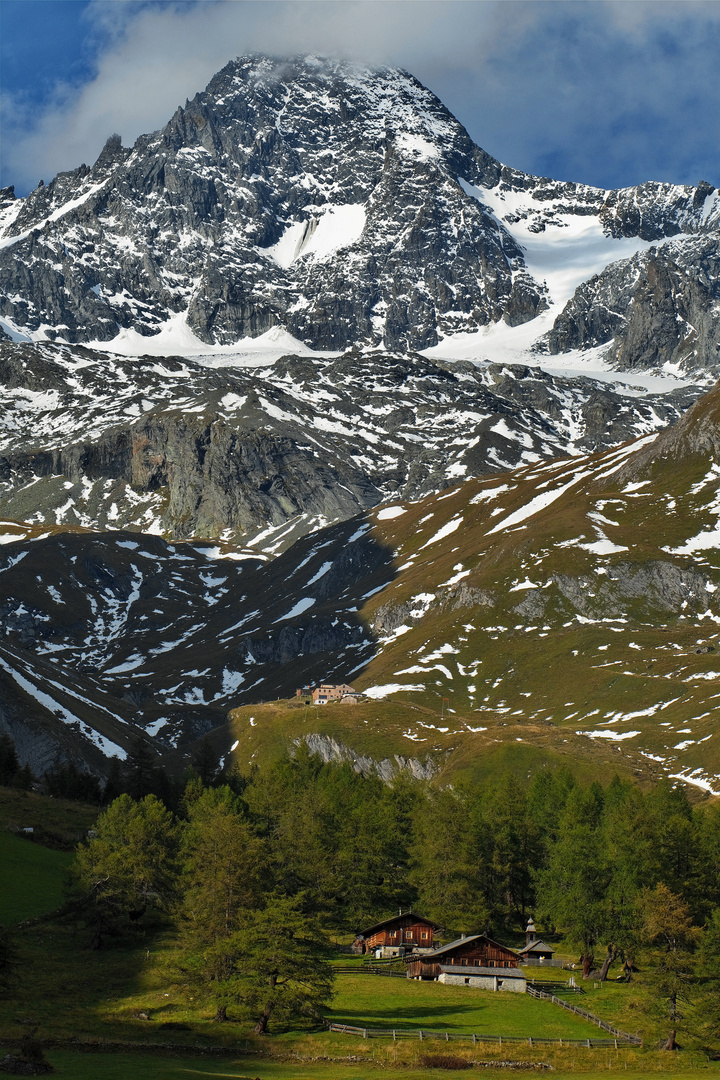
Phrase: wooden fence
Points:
(366, 969)
(634, 1040)
(446, 1036)
(541, 963)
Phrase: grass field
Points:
(374, 1001)
(31, 880)
(73, 994)
(70, 993)
(131, 1066)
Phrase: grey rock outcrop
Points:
(658, 308)
(330, 749)
(196, 451)
(646, 589)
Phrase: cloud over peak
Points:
(604, 92)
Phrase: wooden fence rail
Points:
(620, 1035)
(447, 1036)
(546, 985)
(366, 969)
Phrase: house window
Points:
(467, 982)
(424, 935)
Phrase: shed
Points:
(534, 948)
(484, 978)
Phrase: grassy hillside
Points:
(564, 612)
(33, 869)
(56, 822)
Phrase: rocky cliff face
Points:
(186, 450)
(344, 204)
(658, 309)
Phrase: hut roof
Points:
(466, 941)
(535, 946)
(394, 918)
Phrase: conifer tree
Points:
(572, 889)
(667, 926)
(281, 970)
(9, 764)
(128, 866)
(222, 877)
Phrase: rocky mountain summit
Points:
(348, 206)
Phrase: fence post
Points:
(393, 1034)
(420, 1033)
(588, 1044)
(530, 1040)
(616, 1044)
(447, 1037)
(364, 1033)
(474, 1040)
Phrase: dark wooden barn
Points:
(403, 932)
(475, 950)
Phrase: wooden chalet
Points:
(404, 932)
(534, 950)
(472, 951)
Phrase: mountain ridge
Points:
(282, 402)
(239, 168)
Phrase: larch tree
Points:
(667, 927)
(573, 886)
(222, 877)
(281, 970)
(128, 866)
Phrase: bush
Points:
(444, 1061)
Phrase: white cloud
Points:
(579, 88)
(154, 59)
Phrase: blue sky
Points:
(609, 92)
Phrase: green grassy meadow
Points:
(31, 880)
(375, 1001)
(58, 823)
(132, 1066)
(126, 997)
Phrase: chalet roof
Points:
(535, 946)
(466, 941)
(394, 918)
(468, 970)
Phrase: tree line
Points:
(256, 870)
(616, 872)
